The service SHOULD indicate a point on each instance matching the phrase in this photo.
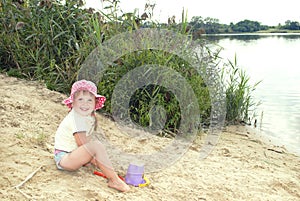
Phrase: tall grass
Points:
(144, 98)
(44, 40)
(48, 41)
(239, 100)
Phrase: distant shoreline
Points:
(262, 33)
(259, 33)
(279, 31)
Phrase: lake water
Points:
(274, 59)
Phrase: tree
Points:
(292, 25)
(197, 22)
(246, 26)
(211, 25)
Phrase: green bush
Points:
(44, 40)
(48, 41)
(143, 99)
(239, 100)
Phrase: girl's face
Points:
(84, 103)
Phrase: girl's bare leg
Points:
(85, 154)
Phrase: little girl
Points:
(73, 147)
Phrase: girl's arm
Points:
(80, 138)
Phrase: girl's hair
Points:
(84, 93)
(96, 120)
(94, 112)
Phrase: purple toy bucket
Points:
(134, 175)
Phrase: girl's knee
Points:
(95, 145)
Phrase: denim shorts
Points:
(58, 155)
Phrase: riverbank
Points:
(258, 33)
(279, 31)
(241, 167)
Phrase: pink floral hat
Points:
(88, 86)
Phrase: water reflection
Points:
(217, 38)
(250, 37)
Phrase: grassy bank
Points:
(278, 31)
(50, 42)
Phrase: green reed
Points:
(239, 100)
(44, 40)
(48, 41)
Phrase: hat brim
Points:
(99, 101)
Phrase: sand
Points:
(241, 167)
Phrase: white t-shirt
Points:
(71, 124)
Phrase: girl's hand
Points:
(94, 162)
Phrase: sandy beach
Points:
(241, 167)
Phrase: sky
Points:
(267, 12)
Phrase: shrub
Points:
(44, 40)
(146, 97)
(47, 40)
(239, 100)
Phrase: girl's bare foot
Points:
(118, 184)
